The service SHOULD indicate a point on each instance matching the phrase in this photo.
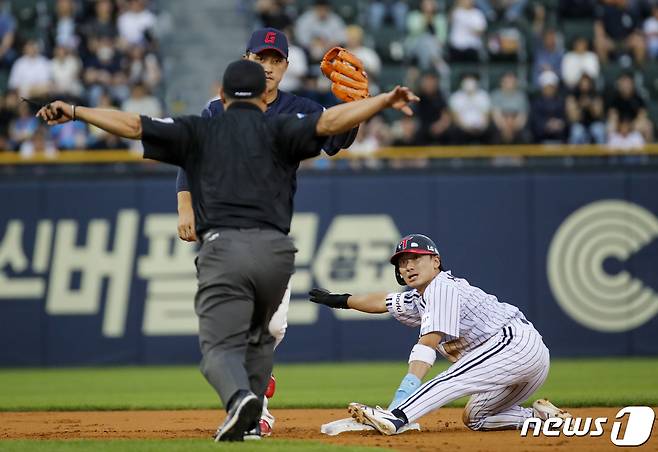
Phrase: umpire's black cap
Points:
(244, 79)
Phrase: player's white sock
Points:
(266, 414)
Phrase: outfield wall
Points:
(92, 272)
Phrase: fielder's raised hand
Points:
(400, 97)
(333, 300)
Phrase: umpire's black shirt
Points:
(241, 165)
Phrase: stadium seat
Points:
(572, 29)
(650, 75)
(4, 79)
(389, 43)
(457, 70)
(347, 9)
(497, 70)
(611, 72)
(391, 75)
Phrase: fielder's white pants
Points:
(279, 321)
(499, 375)
(277, 327)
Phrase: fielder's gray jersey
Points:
(465, 315)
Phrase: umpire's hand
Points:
(186, 226)
(333, 300)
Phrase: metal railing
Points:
(403, 153)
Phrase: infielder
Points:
(498, 357)
(269, 47)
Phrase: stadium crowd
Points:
(94, 52)
(487, 71)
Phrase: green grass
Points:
(197, 445)
(581, 382)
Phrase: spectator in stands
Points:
(38, 144)
(66, 67)
(8, 105)
(580, 60)
(650, 29)
(499, 10)
(71, 135)
(585, 113)
(404, 132)
(31, 74)
(64, 32)
(104, 71)
(99, 138)
(510, 111)
(140, 101)
(380, 11)
(371, 61)
(370, 138)
(626, 105)
(273, 14)
(471, 112)
(617, 31)
(432, 112)
(143, 67)
(7, 35)
(548, 55)
(427, 30)
(548, 120)
(322, 24)
(293, 77)
(23, 126)
(467, 27)
(135, 23)
(625, 137)
(101, 25)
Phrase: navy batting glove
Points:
(333, 300)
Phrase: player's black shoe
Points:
(243, 415)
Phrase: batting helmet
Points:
(412, 243)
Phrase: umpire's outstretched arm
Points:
(126, 125)
(344, 117)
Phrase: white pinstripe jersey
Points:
(465, 315)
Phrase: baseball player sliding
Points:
(498, 357)
(269, 47)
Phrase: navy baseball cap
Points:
(268, 38)
(416, 244)
(244, 79)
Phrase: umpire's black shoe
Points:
(242, 416)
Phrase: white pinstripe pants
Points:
(501, 373)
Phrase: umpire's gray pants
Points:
(242, 276)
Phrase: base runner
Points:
(498, 357)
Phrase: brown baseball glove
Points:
(349, 79)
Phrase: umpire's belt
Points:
(214, 233)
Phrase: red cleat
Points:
(271, 387)
(265, 428)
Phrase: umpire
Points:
(242, 172)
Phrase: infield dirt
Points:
(441, 430)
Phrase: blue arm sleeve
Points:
(181, 181)
(337, 142)
(408, 386)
